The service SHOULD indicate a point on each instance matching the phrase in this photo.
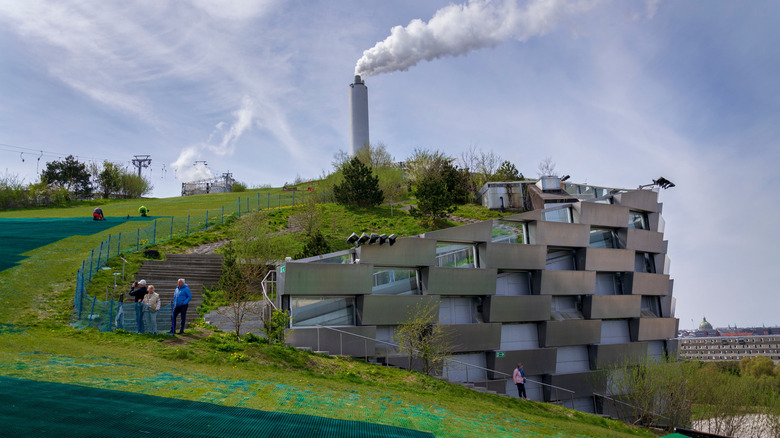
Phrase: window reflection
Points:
(559, 215)
(333, 311)
(508, 232)
(455, 255)
(389, 281)
(637, 220)
(603, 238)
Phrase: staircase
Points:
(197, 270)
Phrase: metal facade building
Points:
(566, 290)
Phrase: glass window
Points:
(559, 215)
(566, 307)
(389, 281)
(644, 262)
(603, 238)
(455, 255)
(609, 283)
(333, 311)
(344, 259)
(561, 260)
(637, 220)
(508, 232)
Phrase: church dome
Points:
(705, 325)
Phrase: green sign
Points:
(499, 354)
(281, 270)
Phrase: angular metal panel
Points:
(642, 240)
(583, 385)
(333, 342)
(565, 282)
(459, 281)
(653, 329)
(609, 259)
(535, 362)
(569, 332)
(611, 306)
(327, 279)
(646, 200)
(390, 309)
(562, 234)
(405, 252)
(644, 283)
(604, 215)
(524, 308)
(474, 337)
(513, 256)
(479, 232)
(617, 355)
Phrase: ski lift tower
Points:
(140, 161)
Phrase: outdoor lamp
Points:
(391, 239)
(363, 239)
(374, 237)
(352, 238)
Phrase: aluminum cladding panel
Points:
(603, 215)
(327, 279)
(643, 240)
(609, 259)
(611, 306)
(653, 329)
(513, 256)
(409, 252)
(390, 309)
(643, 283)
(535, 362)
(478, 232)
(569, 332)
(473, 337)
(646, 200)
(525, 308)
(459, 281)
(334, 342)
(565, 282)
(562, 234)
(606, 356)
(583, 385)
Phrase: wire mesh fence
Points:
(93, 312)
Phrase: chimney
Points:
(358, 115)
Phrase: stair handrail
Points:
(265, 292)
(571, 393)
(614, 400)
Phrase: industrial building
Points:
(729, 344)
(568, 288)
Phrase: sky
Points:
(616, 93)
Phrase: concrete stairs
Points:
(198, 270)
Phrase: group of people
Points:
(147, 304)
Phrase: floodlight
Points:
(663, 183)
(373, 238)
(391, 239)
(363, 239)
(564, 178)
(352, 238)
(382, 239)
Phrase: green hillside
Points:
(37, 343)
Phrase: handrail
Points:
(571, 393)
(614, 400)
(265, 293)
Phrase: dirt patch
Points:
(188, 336)
(208, 248)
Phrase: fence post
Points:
(293, 203)
(108, 250)
(258, 201)
(92, 311)
(269, 201)
(91, 257)
(110, 313)
(137, 238)
(239, 206)
(280, 200)
(171, 237)
(188, 225)
(154, 233)
(119, 244)
(100, 254)
(223, 215)
(207, 220)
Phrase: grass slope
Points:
(36, 297)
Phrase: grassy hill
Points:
(205, 365)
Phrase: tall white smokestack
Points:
(358, 113)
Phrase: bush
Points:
(238, 187)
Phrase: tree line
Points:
(67, 180)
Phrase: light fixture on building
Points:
(352, 239)
(370, 239)
(663, 183)
(564, 178)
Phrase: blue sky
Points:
(616, 93)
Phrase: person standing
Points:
(151, 306)
(518, 376)
(138, 294)
(181, 299)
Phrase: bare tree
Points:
(481, 165)
(546, 167)
(421, 338)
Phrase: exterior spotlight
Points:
(391, 239)
(363, 239)
(373, 238)
(564, 178)
(663, 183)
(352, 238)
(382, 239)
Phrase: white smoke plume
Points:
(458, 29)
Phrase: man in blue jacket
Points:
(181, 299)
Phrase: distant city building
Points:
(576, 285)
(730, 343)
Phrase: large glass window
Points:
(334, 311)
(644, 262)
(558, 215)
(637, 220)
(603, 238)
(455, 255)
(389, 281)
(343, 259)
(508, 232)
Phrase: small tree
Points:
(434, 201)
(421, 338)
(109, 179)
(360, 186)
(275, 327)
(69, 174)
(506, 172)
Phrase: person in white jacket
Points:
(151, 306)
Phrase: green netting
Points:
(21, 235)
(31, 409)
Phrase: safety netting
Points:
(92, 312)
(32, 408)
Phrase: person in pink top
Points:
(518, 376)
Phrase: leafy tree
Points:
(238, 187)
(457, 183)
(69, 174)
(434, 201)
(360, 187)
(109, 179)
(757, 366)
(132, 185)
(424, 161)
(421, 338)
(315, 244)
(275, 327)
(506, 172)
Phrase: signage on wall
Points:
(499, 354)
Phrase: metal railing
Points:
(633, 410)
(449, 360)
